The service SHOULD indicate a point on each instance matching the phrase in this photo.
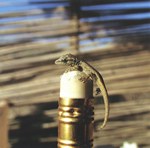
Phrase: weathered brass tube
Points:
(75, 123)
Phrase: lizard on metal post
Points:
(75, 64)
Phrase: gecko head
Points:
(67, 59)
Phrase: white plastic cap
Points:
(72, 87)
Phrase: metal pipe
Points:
(75, 126)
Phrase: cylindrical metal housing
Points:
(75, 123)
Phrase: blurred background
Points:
(111, 35)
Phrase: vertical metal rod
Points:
(75, 112)
(75, 123)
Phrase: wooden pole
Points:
(3, 124)
(75, 9)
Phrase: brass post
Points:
(75, 123)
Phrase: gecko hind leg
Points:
(98, 91)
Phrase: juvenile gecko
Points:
(75, 64)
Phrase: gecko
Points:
(75, 64)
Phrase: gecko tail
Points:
(100, 127)
(103, 125)
(105, 119)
